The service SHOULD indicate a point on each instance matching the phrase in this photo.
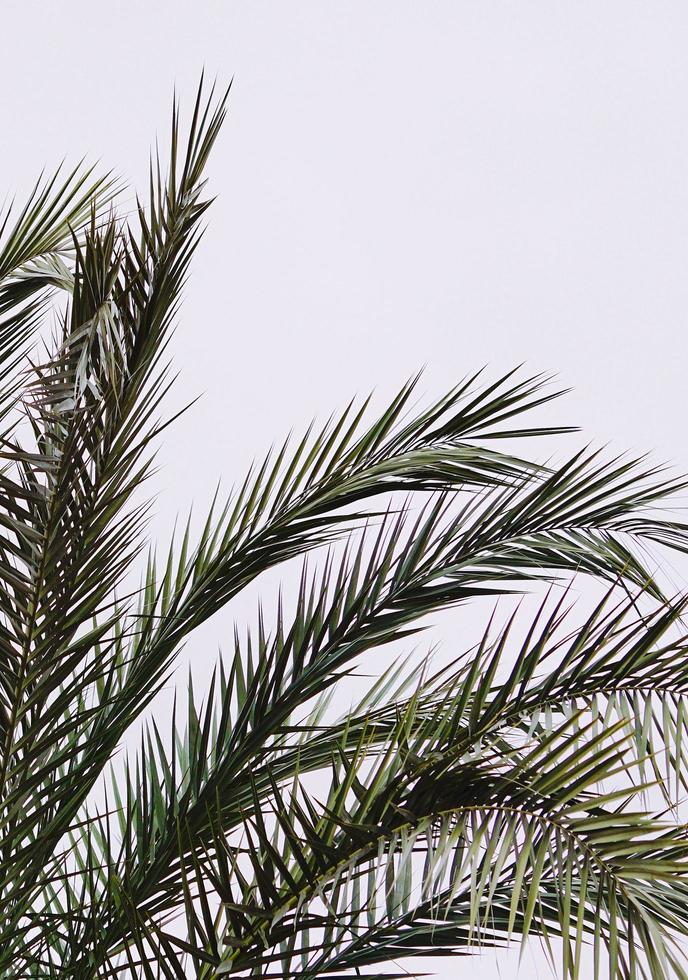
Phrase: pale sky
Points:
(399, 184)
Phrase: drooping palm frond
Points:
(515, 793)
(436, 743)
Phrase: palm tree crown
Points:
(529, 787)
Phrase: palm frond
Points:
(530, 788)
(92, 410)
(312, 889)
(233, 762)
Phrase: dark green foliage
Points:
(529, 788)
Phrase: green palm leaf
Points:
(531, 788)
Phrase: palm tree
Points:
(528, 787)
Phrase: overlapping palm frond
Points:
(35, 246)
(398, 757)
(531, 788)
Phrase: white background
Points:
(449, 184)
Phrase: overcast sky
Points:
(399, 184)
